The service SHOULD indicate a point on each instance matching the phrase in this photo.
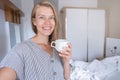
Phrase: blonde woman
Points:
(35, 59)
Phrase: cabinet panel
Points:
(76, 32)
(96, 33)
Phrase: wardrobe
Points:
(85, 29)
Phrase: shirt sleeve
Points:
(14, 61)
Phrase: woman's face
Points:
(44, 20)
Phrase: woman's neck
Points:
(40, 39)
(43, 43)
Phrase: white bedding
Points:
(113, 76)
(95, 70)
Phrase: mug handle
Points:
(53, 42)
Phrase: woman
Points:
(34, 59)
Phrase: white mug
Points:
(59, 44)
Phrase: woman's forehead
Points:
(44, 10)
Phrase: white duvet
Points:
(95, 70)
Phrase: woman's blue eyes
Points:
(41, 17)
(51, 18)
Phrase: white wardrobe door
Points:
(76, 32)
(96, 33)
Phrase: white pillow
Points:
(98, 69)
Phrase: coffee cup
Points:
(59, 44)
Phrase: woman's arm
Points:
(7, 74)
(66, 56)
(66, 71)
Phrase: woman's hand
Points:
(66, 53)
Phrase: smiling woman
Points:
(35, 59)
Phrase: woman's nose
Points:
(47, 21)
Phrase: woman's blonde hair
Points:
(57, 31)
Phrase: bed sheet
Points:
(113, 76)
(96, 70)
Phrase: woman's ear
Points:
(34, 21)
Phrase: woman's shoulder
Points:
(24, 45)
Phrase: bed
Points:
(105, 69)
(113, 76)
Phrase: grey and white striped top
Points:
(33, 63)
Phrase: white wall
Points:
(26, 29)
(113, 10)
(4, 36)
(77, 3)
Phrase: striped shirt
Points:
(33, 63)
